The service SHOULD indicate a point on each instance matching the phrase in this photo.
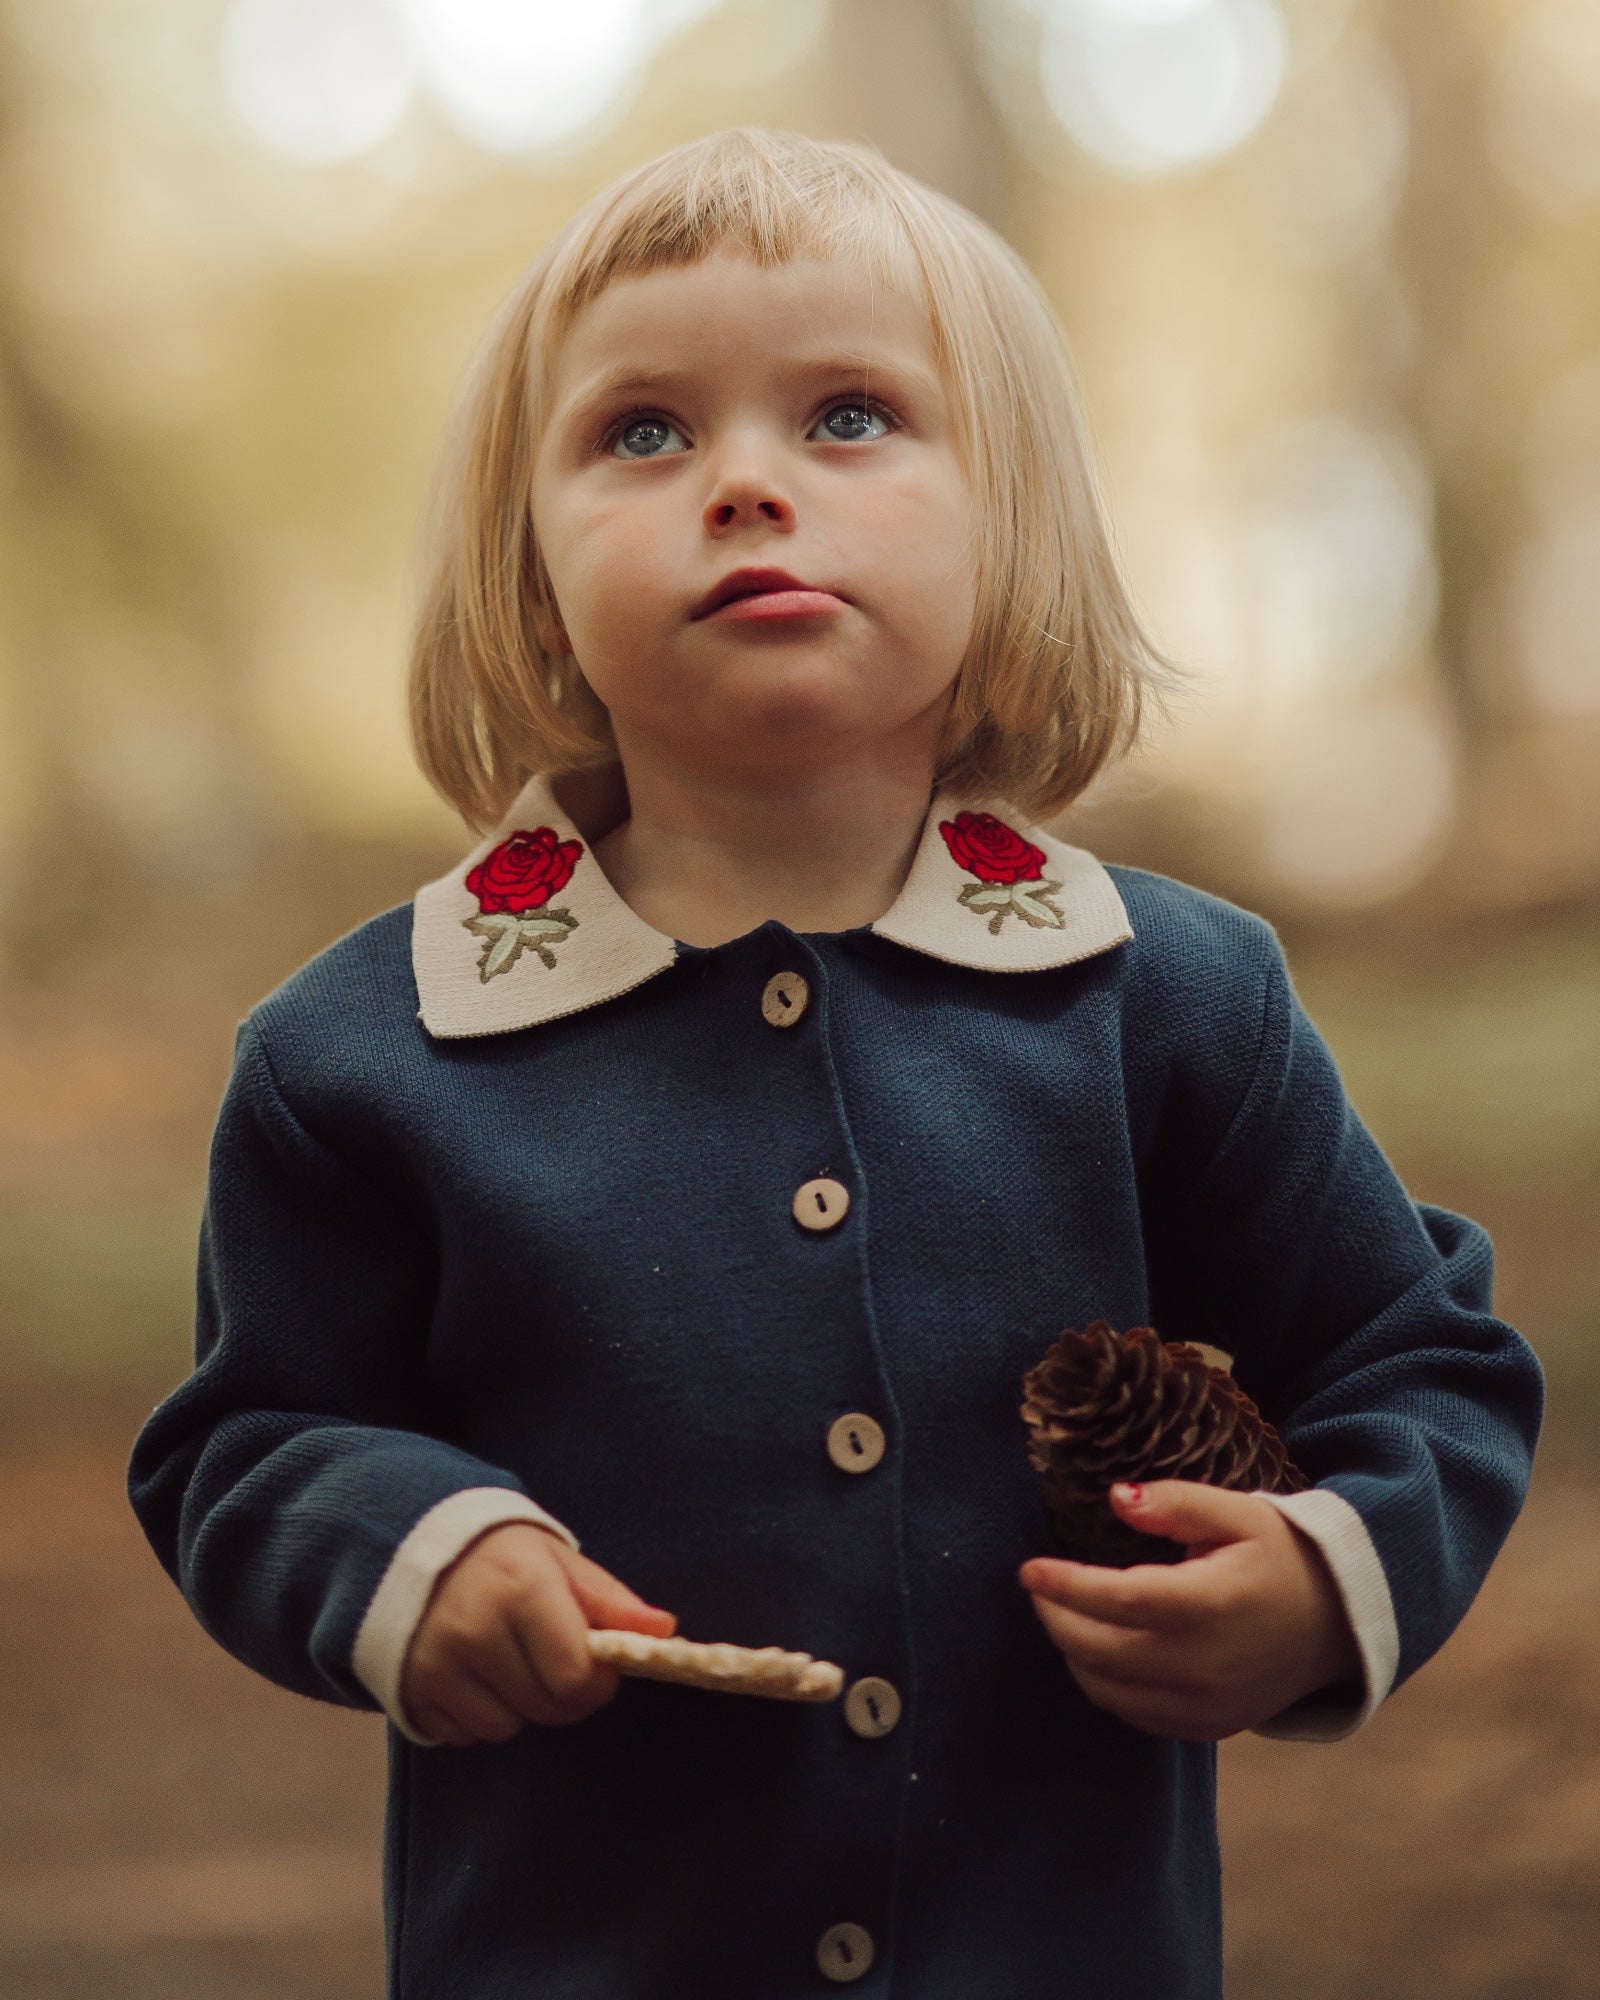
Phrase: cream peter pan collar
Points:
(528, 928)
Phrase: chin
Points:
(795, 700)
(785, 715)
(794, 730)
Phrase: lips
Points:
(740, 584)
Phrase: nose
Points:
(747, 491)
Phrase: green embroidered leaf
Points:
(545, 925)
(501, 955)
(500, 941)
(987, 895)
(506, 936)
(1031, 901)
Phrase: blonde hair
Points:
(1058, 665)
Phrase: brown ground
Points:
(173, 1828)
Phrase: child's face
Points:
(723, 417)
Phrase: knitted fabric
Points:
(562, 1260)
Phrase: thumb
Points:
(608, 1603)
(1186, 1511)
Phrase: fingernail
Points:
(1131, 1492)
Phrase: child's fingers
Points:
(606, 1601)
(433, 1723)
(475, 1706)
(530, 1663)
(547, 1626)
(439, 1729)
(505, 1639)
(470, 1634)
(464, 1712)
(487, 1683)
(1157, 1711)
(1188, 1511)
(1151, 1596)
(1119, 1652)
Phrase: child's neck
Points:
(816, 850)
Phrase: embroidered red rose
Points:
(513, 885)
(1010, 872)
(991, 850)
(524, 872)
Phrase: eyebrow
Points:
(618, 382)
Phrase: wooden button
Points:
(845, 1952)
(784, 998)
(855, 1442)
(872, 1706)
(821, 1204)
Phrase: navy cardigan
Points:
(559, 1260)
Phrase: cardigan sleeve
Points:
(1362, 1322)
(290, 1486)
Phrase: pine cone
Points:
(1102, 1407)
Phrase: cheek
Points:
(935, 592)
(610, 573)
(923, 539)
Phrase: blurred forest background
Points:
(1331, 271)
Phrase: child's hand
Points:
(1207, 1647)
(503, 1642)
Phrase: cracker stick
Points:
(767, 1670)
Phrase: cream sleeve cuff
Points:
(1341, 1534)
(415, 1567)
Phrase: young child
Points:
(696, 1169)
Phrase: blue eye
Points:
(845, 423)
(648, 437)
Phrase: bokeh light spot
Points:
(1331, 165)
(1337, 562)
(1543, 106)
(518, 75)
(1363, 804)
(1555, 616)
(315, 80)
(1149, 86)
